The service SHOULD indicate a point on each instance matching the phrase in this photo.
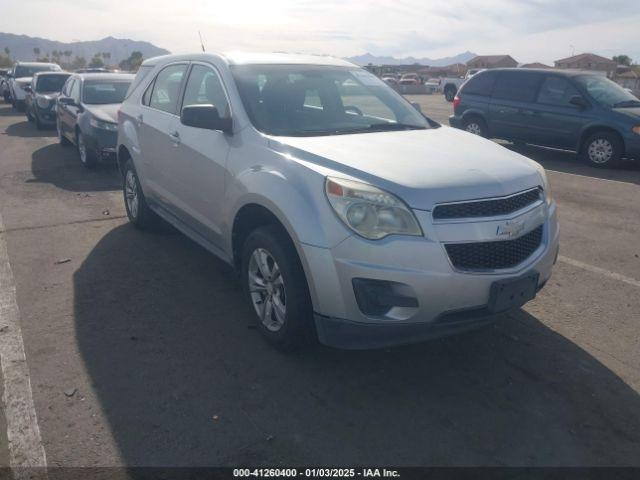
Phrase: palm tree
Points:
(36, 52)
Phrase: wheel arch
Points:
(591, 129)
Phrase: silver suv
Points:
(350, 216)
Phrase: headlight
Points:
(369, 211)
(43, 102)
(636, 129)
(546, 186)
(112, 127)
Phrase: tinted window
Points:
(28, 71)
(143, 72)
(51, 83)
(480, 84)
(166, 89)
(516, 86)
(102, 92)
(556, 91)
(204, 87)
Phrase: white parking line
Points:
(601, 271)
(589, 177)
(23, 433)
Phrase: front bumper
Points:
(448, 301)
(102, 143)
(46, 115)
(455, 122)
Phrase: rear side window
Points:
(166, 90)
(556, 91)
(516, 86)
(480, 84)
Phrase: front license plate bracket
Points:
(513, 293)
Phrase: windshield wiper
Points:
(627, 103)
(379, 127)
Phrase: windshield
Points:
(305, 100)
(28, 71)
(606, 92)
(50, 83)
(100, 92)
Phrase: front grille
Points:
(494, 255)
(487, 208)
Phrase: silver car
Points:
(351, 217)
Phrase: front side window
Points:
(166, 89)
(305, 100)
(606, 92)
(50, 83)
(556, 91)
(204, 88)
(103, 92)
(516, 86)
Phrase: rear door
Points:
(557, 123)
(156, 121)
(199, 167)
(512, 103)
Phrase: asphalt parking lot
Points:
(141, 351)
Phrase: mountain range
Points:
(368, 58)
(21, 47)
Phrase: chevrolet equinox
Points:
(350, 216)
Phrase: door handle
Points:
(139, 119)
(176, 137)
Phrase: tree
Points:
(7, 51)
(78, 62)
(5, 61)
(622, 60)
(96, 62)
(36, 52)
(132, 63)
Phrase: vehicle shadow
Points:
(184, 380)
(60, 166)
(569, 162)
(27, 129)
(6, 110)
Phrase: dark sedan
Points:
(87, 112)
(40, 101)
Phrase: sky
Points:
(529, 30)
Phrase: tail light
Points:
(456, 102)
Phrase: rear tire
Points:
(602, 149)
(135, 203)
(450, 93)
(279, 286)
(476, 125)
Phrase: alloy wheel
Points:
(131, 193)
(82, 149)
(267, 290)
(600, 151)
(474, 128)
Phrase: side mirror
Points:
(578, 101)
(416, 106)
(66, 100)
(205, 116)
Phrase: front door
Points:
(198, 172)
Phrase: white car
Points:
(350, 216)
(451, 85)
(21, 78)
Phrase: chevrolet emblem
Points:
(510, 229)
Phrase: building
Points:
(629, 79)
(535, 65)
(588, 61)
(492, 61)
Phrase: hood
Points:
(633, 113)
(51, 95)
(106, 113)
(422, 167)
(22, 81)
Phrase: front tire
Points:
(450, 93)
(87, 156)
(602, 149)
(135, 203)
(62, 140)
(29, 116)
(276, 287)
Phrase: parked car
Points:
(570, 110)
(432, 85)
(350, 216)
(4, 85)
(93, 70)
(87, 114)
(40, 100)
(21, 78)
(390, 80)
(451, 85)
(410, 79)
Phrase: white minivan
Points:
(350, 216)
